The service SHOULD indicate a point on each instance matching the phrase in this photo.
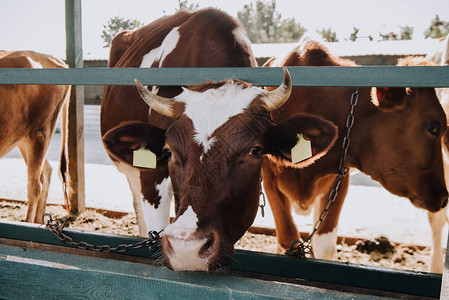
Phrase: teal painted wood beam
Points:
(301, 76)
(377, 278)
(52, 275)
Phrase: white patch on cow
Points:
(155, 89)
(158, 218)
(34, 64)
(160, 53)
(188, 220)
(214, 107)
(324, 245)
(186, 247)
(242, 38)
(437, 221)
(305, 211)
(133, 176)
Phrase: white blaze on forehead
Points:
(214, 107)
(160, 53)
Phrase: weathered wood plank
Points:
(383, 279)
(51, 275)
(75, 138)
(301, 76)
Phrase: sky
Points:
(39, 24)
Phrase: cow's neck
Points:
(367, 115)
(333, 104)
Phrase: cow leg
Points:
(437, 221)
(133, 176)
(45, 182)
(149, 216)
(324, 242)
(38, 174)
(286, 230)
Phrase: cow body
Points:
(209, 140)
(396, 139)
(186, 39)
(28, 115)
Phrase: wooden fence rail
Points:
(301, 76)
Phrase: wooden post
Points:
(75, 143)
(445, 280)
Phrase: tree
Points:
(184, 4)
(328, 35)
(406, 33)
(391, 36)
(116, 25)
(437, 29)
(265, 25)
(353, 35)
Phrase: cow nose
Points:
(444, 203)
(185, 249)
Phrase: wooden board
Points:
(301, 76)
(340, 274)
(75, 134)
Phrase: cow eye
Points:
(255, 151)
(166, 154)
(434, 128)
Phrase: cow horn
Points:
(279, 96)
(164, 106)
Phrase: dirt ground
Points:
(381, 252)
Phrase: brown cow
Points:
(209, 140)
(396, 139)
(28, 117)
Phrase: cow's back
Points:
(206, 38)
(24, 108)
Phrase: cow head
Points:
(214, 151)
(412, 123)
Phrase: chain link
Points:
(301, 248)
(262, 201)
(57, 229)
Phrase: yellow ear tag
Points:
(302, 150)
(144, 158)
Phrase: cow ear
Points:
(285, 136)
(389, 99)
(121, 141)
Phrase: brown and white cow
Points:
(28, 115)
(396, 139)
(209, 140)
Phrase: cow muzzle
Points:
(189, 249)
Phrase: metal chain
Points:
(56, 228)
(262, 201)
(301, 248)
